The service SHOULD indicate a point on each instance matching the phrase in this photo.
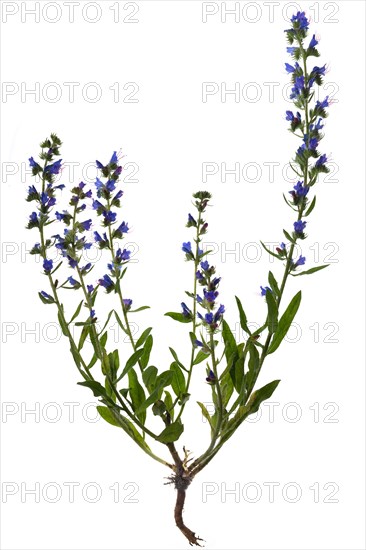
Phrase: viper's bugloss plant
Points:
(130, 390)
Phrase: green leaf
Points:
(171, 433)
(116, 419)
(137, 394)
(95, 342)
(205, 413)
(95, 386)
(272, 319)
(174, 354)
(201, 356)
(178, 380)
(288, 203)
(260, 395)
(49, 300)
(164, 379)
(311, 207)
(178, 317)
(227, 388)
(273, 283)
(77, 311)
(63, 324)
(168, 401)
(253, 367)
(229, 340)
(149, 376)
(138, 309)
(143, 337)
(310, 271)
(103, 339)
(146, 351)
(285, 322)
(83, 336)
(270, 251)
(243, 317)
(245, 410)
(288, 237)
(131, 363)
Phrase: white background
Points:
(169, 132)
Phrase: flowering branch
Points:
(130, 390)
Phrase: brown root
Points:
(193, 539)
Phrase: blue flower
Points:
(299, 227)
(86, 225)
(90, 288)
(321, 161)
(298, 87)
(106, 282)
(186, 311)
(313, 42)
(86, 268)
(187, 248)
(291, 50)
(99, 186)
(32, 193)
(92, 313)
(47, 266)
(300, 21)
(45, 295)
(72, 262)
(72, 281)
(211, 378)
(114, 158)
(209, 318)
(199, 276)
(54, 168)
(210, 295)
(205, 265)
(110, 186)
(99, 165)
(127, 302)
(191, 221)
(289, 68)
(319, 70)
(300, 261)
(123, 228)
(33, 163)
(199, 299)
(123, 255)
(322, 104)
(313, 144)
(198, 343)
(301, 189)
(264, 290)
(118, 195)
(109, 217)
(97, 204)
(219, 313)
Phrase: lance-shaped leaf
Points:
(137, 394)
(48, 300)
(285, 322)
(63, 323)
(229, 340)
(149, 376)
(273, 283)
(95, 386)
(164, 379)
(201, 356)
(311, 207)
(178, 380)
(116, 419)
(270, 251)
(242, 316)
(251, 407)
(131, 363)
(143, 337)
(288, 237)
(178, 317)
(171, 433)
(310, 271)
(145, 357)
(205, 413)
(272, 318)
(77, 311)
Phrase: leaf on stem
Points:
(285, 322)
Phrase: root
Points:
(181, 484)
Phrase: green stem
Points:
(194, 310)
